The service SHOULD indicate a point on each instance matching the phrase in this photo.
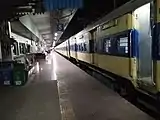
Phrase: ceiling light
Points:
(25, 7)
(56, 34)
(55, 38)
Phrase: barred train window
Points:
(107, 45)
(81, 46)
(85, 48)
(123, 45)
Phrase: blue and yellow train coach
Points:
(63, 49)
(124, 43)
(84, 47)
(73, 48)
(117, 47)
(111, 46)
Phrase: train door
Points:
(76, 47)
(93, 47)
(68, 47)
(65, 44)
(143, 16)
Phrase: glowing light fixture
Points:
(55, 38)
(56, 34)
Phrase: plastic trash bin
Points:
(6, 73)
(19, 74)
(6, 76)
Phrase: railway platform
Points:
(59, 90)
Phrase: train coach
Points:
(124, 43)
(63, 48)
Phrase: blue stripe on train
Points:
(134, 43)
(155, 42)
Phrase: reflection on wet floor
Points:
(46, 69)
(54, 64)
(37, 67)
(38, 100)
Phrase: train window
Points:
(123, 45)
(82, 47)
(22, 48)
(107, 45)
(75, 47)
(117, 45)
(78, 47)
(91, 46)
(85, 48)
(113, 48)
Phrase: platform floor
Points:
(61, 91)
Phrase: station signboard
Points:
(60, 27)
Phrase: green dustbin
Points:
(20, 75)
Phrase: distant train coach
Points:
(125, 43)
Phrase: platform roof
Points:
(46, 22)
(91, 12)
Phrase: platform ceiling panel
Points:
(43, 25)
(47, 23)
(18, 28)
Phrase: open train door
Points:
(144, 17)
(93, 47)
